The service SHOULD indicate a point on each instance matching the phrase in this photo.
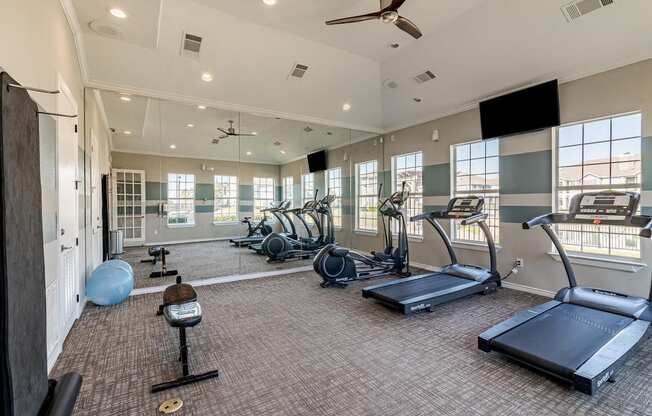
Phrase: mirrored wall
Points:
(196, 191)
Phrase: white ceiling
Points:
(477, 48)
(155, 125)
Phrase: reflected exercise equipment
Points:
(256, 234)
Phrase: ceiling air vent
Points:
(191, 45)
(298, 71)
(424, 77)
(579, 8)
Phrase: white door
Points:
(96, 204)
(68, 228)
(129, 203)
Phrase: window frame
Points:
(304, 196)
(269, 190)
(557, 188)
(410, 210)
(233, 180)
(491, 196)
(190, 219)
(288, 189)
(336, 206)
(358, 198)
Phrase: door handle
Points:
(64, 248)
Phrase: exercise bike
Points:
(338, 266)
(281, 248)
(256, 234)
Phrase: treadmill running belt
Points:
(561, 339)
(423, 286)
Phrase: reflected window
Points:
(593, 156)
(181, 199)
(408, 169)
(308, 187)
(263, 195)
(226, 199)
(475, 168)
(366, 179)
(288, 191)
(334, 187)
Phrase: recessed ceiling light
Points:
(255, 133)
(270, 2)
(201, 107)
(249, 153)
(119, 13)
(173, 146)
(190, 125)
(127, 133)
(417, 99)
(346, 107)
(282, 152)
(207, 77)
(125, 98)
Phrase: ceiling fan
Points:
(388, 14)
(230, 131)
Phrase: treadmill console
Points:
(607, 206)
(465, 206)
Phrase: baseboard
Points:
(529, 289)
(196, 240)
(225, 279)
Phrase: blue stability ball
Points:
(109, 285)
(121, 264)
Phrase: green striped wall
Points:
(526, 173)
(437, 180)
(520, 213)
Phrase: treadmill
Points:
(258, 238)
(455, 281)
(584, 335)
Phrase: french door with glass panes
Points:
(129, 203)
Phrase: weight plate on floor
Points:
(170, 406)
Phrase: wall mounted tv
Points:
(317, 161)
(531, 109)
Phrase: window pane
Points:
(570, 176)
(492, 148)
(462, 152)
(597, 153)
(626, 126)
(477, 150)
(629, 149)
(477, 166)
(570, 135)
(462, 183)
(492, 164)
(597, 131)
(596, 174)
(626, 173)
(569, 156)
(463, 167)
(492, 181)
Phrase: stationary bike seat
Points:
(179, 294)
(339, 251)
(156, 251)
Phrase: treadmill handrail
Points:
(475, 219)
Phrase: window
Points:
(334, 187)
(476, 172)
(366, 179)
(226, 199)
(263, 195)
(308, 187)
(408, 168)
(288, 192)
(181, 199)
(592, 156)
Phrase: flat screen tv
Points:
(531, 109)
(317, 161)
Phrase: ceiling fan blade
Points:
(354, 19)
(224, 137)
(223, 131)
(408, 27)
(390, 4)
(247, 135)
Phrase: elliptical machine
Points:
(255, 234)
(278, 247)
(338, 266)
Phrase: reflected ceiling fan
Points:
(230, 131)
(388, 14)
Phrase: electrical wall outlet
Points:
(519, 262)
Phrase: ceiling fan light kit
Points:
(388, 13)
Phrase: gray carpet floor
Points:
(196, 261)
(285, 346)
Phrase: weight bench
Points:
(159, 252)
(182, 310)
